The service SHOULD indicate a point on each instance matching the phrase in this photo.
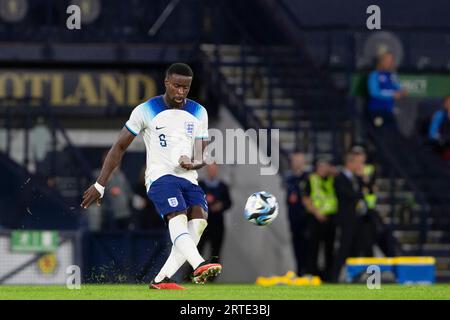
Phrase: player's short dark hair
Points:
(179, 68)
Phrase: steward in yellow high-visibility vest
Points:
(322, 194)
(319, 198)
(369, 181)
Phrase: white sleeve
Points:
(202, 133)
(136, 123)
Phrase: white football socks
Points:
(196, 228)
(176, 259)
(173, 263)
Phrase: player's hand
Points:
(89, 196)
(186, 163)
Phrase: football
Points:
(261, 208)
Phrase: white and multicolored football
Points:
(261, 208)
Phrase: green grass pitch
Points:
(227, 292)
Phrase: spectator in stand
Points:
(384, 90)
(439, 130)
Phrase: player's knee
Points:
(197, 212)
(174, 214)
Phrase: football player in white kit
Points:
(172, 127)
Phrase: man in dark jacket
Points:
(351, 206)
(295, 180)
(218, 199)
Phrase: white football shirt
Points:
(168, 133)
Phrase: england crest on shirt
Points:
(189, 128)
(173, 202)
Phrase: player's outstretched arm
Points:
(112, 161)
